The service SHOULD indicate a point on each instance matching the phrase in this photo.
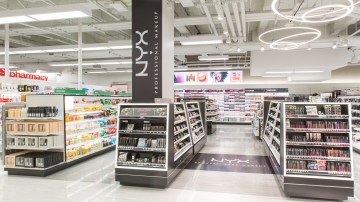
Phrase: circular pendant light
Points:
(320, 14)
(281, 39)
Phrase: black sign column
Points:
(152, 37)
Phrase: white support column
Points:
(168, 50)
(80, 72)
(7, 51)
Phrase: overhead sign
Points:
(24, 75)
(147, 50)
(211, 77)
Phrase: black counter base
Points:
(199, 145)
(55, 168)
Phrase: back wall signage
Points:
(147, 50)
(24, 75)
(210, 77)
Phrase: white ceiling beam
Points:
(229, 19)
(209, 17)
(237, 18)
(243, 19)
(126, 25)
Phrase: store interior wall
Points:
(343, 78)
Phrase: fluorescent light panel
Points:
(310, 71)
(15, 19)
(104, 72)
(70, 49)
(190, 43)
(283, 72)
(89, 63)
(213, 57)
(196, 40)
(59, 15)
(94, 48)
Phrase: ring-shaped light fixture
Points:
(284, 45)
(284, 40)
(305, 17)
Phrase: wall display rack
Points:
(145, 145)
(196, 123)
(212, 114)
(355, 111)
(183, 143)
(315, 157)
(63, 129)
(156, 141)
(236, 106)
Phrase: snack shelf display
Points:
(316, 150)
(51, 132)
(196, 123)
(91, 124)
(355, 112)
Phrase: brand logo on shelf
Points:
(23, 75)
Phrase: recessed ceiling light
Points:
(220, 17)
(226, 32)
(59, 15)
(309, 47)
(214, 57)
(262, 48)
(238, 49)
(228, 41)
(334, 46)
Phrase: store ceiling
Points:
(111, 22)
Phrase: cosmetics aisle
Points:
(94, 180)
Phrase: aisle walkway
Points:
(94, 180)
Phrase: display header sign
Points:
(24, 75)
(69, 91)
(147, 50)
(208, 77)
(266, 90)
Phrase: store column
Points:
(153, 50)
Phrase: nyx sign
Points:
(147, 51)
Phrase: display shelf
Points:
(136, 166)
(179, 121)
(142, 165)
(142, 132)
(182, 151)
(197, 130)
(181, 130)
(323, 130)
(327, 158)
(182, 141)
(34, 118)
(270, 130)
(319, 144)
(316, 150)
(85, 112)
(142, 149)
(319, 172)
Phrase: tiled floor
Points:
(94, 180)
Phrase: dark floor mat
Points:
(231, 163)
